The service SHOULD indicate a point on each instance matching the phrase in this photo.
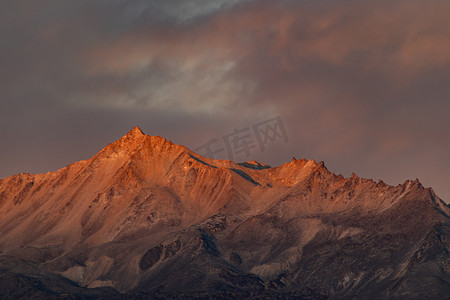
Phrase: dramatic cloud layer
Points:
(362, 85)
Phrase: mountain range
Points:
(148, 219)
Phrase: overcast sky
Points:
(361, 85)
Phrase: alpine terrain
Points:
(149, 219)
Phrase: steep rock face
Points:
(147, 217)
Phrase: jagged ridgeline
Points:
(145, 218)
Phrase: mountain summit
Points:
(135, 131)
(146, 218)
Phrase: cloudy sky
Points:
(361, 85)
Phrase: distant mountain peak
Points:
(126, 144)
(135, 132)
(144, 212)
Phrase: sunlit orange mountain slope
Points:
(146, 218)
